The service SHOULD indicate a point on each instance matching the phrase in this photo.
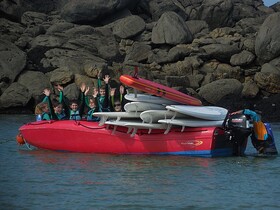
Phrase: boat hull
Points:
(89, 137)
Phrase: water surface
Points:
(40, 179)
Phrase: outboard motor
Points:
(238, 128)
(265, 147)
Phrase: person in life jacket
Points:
(103, 93)
(117, 100)
(262, 138)
(56, 108)
(59, 110)
(92, 105)
(42, 111)
(74, 109)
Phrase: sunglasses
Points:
(116, 105)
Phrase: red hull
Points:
(88, 137)
(159, 90)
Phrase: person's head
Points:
(41, 107)
(92, 102)
(102, 90)
(117, 106)
(74, 105)
(58, 107)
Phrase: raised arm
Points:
(47, 93)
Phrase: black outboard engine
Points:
(238, 128)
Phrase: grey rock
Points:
(186, 67)
(250, 89)
(90, 11)
(244, 58)
(12, 61)
(129, 27)
(89, 82)
(268, 81)
(71, 92)
(216, 13)
(269, 68)
(35, 82)
(216, 90)
(249, 45)
(155, 9)
(10, 31)
(73, 60)
(61, 76)
(163, 31)
(138, 52)
(33, 18)
(221, 52)
(60, 27)
(267, 46)
(276, 62)
(16, 95)
(250, 25)
(159, 56)
(198, 27)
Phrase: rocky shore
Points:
(224, 52)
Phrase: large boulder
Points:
(267, 46)
(221, 52)
(93, 10)
(198, 27)
(14, 9)
(10, 31)
(269, 68)
(268, 81)
(35, 82)
(73, 60)
(216, 90)
(138, 52)
(155, 9)
(61, 76)
(216, 13)
(163, 31)
(242, 59)
(129, 27)
(12, 62)
(250, 89)
(16, 95)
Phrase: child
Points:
(74, 110)
(117, 103)
(42, 111)
(51, 107)
(103, 97)
(92, 105)
(58, 110)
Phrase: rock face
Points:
(163, 31)
(215, 91)
(217, 50)
(12, 62)
(267, 45)
(90, 11)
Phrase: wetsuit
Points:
(103, 101)
(70, 114)
(90, 112)
(260, 131)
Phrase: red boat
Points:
(89, 137)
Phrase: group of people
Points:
(102, 99)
